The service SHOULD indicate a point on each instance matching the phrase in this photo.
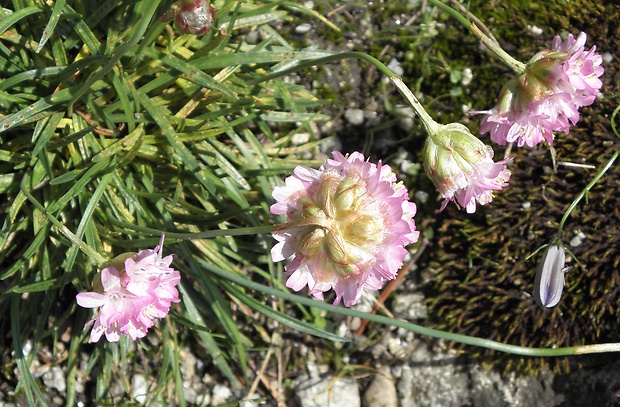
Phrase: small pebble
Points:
(354, 116)
(139, 388)
(303, 28)
(577, 240)
(394, 66)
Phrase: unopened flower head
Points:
(546, 97)
(191, 16)
(348, 225)
(132, 291)
(549, 281)
(462, 167)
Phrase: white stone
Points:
(304, 28)
(139, 388)
(354, 116)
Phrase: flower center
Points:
(346, 224)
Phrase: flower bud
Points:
(549, 281)
(462, 167)
(191, 16)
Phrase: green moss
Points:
(483, 278)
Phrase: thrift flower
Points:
(546, 96)
(549, 281)
(191, 16)
(132, 291)
(348, 225)
(459, 164)
(462, 167)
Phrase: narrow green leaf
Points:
(39, 286)
(126, 142)
(103, 165)
(293, 117)
(26, 381)
(207, 339)
(204, 177)
(51, 25)
(8, 21)
(92, 202)
(189, 72)
(43, 135)
(30, 74)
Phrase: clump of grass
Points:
(115, 128)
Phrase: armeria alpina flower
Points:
(191, 16)
(132, 291)
(546, 96)
(549, 281)
(348, 225)
(462, 167)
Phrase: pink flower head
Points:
(136, 289)
(191, 16)
(546, 96)
(462, 167)
(349, 223)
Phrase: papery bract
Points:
(462, 167)
(136, 289)
(546, 97)
(549, 281)
(191, 16)
(348, 225)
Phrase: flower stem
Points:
(430, 124)
(585, 191)
(435, 333)
(517, 66)
(598, 176)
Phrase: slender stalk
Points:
(435, 333)
(585, 191)
(596, 178)
(517, 66)
(430, 124)
(330, 58)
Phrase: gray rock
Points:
(188, 364)
(252, 37)
(432, 379)
(54, 378)
(382, 391)
(327, 392)
(410, 306)
(139, 388)
(220, 394)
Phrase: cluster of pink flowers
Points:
(462, 167)
(546, 97)
(348, 225)
(133, 291)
